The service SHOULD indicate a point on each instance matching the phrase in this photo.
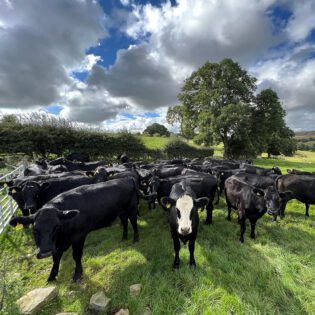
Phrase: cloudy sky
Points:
(121, 63)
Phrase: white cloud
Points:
(303, 20)
(41, 43)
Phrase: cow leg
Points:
(176, 249)
(209, 213)
(282, 208)
(218, 193)
(307, 206)
(241, 221)
(133, 221)
(124, 222)
(229, 211)
(77, 251)
(55, 268)
(252, 228)
(191, 246)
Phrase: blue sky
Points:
(121, 63)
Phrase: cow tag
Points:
(13, 191)
(5, 185)
(19, 226)
(168, 205)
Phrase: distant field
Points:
(155, 142)
(274, 274)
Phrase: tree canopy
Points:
(218, 104)
(157, 129)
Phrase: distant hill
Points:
(305, 134)
(305, 140)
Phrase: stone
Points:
(123, 311)
(99, 301)
(34, 300)
(135, 289)
(146, 311)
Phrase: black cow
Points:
(250, 202)
(204, 185)
(292, 186)
(78, 157)
(260, 170)
(172, 171)
(298, 172)
(33, 195)
(183, 218)
(123, 158)
(67, 219)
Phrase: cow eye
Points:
(178, 213)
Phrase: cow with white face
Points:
(183, 217)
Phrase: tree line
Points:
(49, 136)
(218, 105)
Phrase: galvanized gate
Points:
(7, 205)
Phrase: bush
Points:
(179, 149)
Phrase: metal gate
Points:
(7, 205)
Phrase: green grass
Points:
(275, 274)
(154, 142)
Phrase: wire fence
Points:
(7, 205)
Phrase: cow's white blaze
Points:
(184, 205)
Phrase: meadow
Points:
(274, 274)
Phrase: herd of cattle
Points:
(67, 198)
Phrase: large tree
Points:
(215, 107)
(269, 125)
(218, 106)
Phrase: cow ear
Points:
(13, 190)
(258, 192)
(44, 185)
(201, 203)
(90, 174)
(168, 202)
(21, 220)
(69, 214)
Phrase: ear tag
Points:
(110, 175)
(5, 185)
(222, 174)
(168, 205)
(13, 191)
(19, 226)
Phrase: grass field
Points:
(274, 274)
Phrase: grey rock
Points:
(99, 301)
(33, 301)
(135, 289)
(123, 311)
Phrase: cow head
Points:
(277, 170)
(30, 194)
(46, 225)
(183, 210)
(268, 199)
(100, 174)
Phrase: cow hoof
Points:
(51, 278)
(192, 264)
(124, 238)
(252, 237)
(228, 218)
(77, 277)
(136, 239)
(274, 219)
(208, 222)
(241, 240)
(175, 267)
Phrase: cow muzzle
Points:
(41, 255)
(185, 230)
